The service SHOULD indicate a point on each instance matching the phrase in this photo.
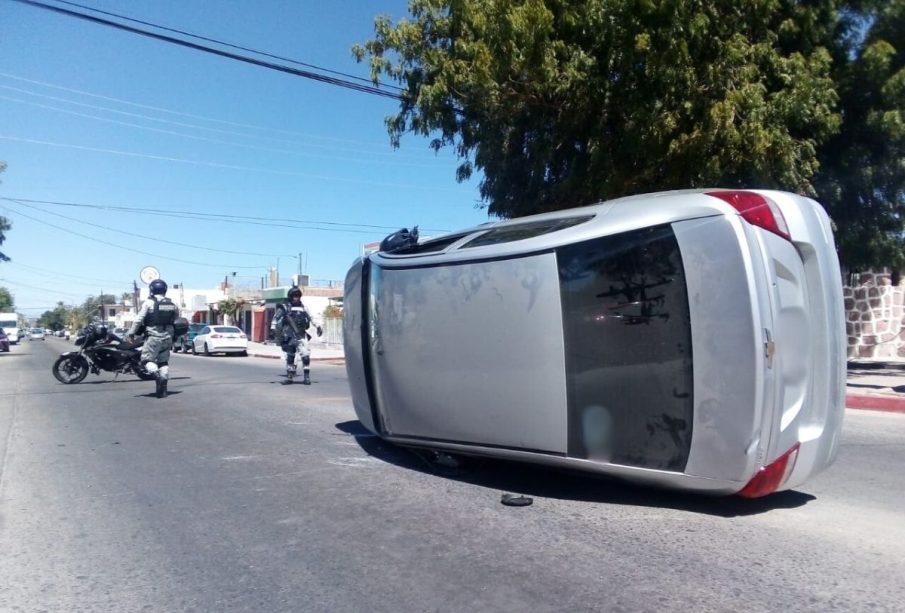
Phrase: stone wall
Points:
(874, 314)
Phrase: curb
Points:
(890, 404)
(313, 359)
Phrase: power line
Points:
(133, 250)
(226, 44)
(307, 74)
(199, 127)
(150, 238)
(215, 164)
(190, 115)
(17, 264)
(213, 140)
(39, 289)
(224, 217)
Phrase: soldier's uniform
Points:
(291, 323)
(156, 318)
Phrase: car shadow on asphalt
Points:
(545, 482)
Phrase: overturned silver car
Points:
(688, 339)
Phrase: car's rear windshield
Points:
(226, 329)
(37, 331)
(522, 231)
(627, 337)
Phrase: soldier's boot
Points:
(163, 376)
(306, 361)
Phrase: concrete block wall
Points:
(874, 311)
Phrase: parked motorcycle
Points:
(99, 350)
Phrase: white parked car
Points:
(36, 334)
(220, 339)
(690, 339)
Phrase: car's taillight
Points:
(772, 476)
(242, 336)
(757, 210)
(216, 336)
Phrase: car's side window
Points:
(627, 335)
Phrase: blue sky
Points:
(240, 140)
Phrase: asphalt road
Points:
(237, 493)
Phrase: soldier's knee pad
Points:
(306, 361)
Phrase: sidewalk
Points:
(878, 385)
(319, 352)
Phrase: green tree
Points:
(5, 226)
(862, 176)
(564, 102)
(55, 319)
(560, 103)
(7, 301)
(230, 308)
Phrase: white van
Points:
(689, 339)
(10, 324)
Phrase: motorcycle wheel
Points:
(70, 369)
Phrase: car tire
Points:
(243, 354)
(194, 352)
(206, 351)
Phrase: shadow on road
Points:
(102, 381)
(154, 395)
(545, 482)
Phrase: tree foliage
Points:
(7, 301)
(5, 226)
(231, 307)
(564, 102)
(57, 319)
(862, 174)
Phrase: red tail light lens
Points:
(771, 477)
(757, 210)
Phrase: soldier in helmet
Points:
(291, 323)
(156, 318)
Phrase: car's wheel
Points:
(206, 351)
(194, 352)
(244, 354)
(70, 369)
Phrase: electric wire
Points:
(368, 160)
(224, 217)
(190, 115)
(226, 44)
(307, 74)
(132, 249)
(106, 109)
(44, 271)
(219, 164)
(150, 238)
